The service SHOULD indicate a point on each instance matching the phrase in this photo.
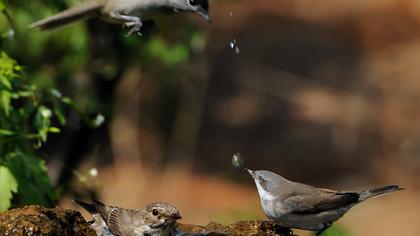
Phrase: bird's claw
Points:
(135, 28)
(284, 231)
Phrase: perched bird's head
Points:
(268, 183)
(199, 6)
(161, 214)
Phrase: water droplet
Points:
(233, 44)
(237, 160)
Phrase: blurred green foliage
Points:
(157, 49)
(52, 59)
(9, 186)
(336, 230)
(32, 104)
(27, 118)
(25, 122)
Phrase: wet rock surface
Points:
(36, 220)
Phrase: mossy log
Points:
(37, 220)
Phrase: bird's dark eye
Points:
(193, 2)
(155, 212)
(261, 179)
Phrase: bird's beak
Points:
(250, 172)
(202, 12)
(175, 216)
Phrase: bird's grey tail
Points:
(79, 12)
(89, 207)
(379, 191)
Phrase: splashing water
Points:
(234, 45)
(237, 160)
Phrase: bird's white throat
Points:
(264, 194)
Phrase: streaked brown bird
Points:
(155, 219)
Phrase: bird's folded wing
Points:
(114, 222)
(111, 216)
(319, 201)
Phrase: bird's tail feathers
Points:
(79, 12)
(89, 207)
(379, 191)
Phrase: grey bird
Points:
(294, 205)
(155, 219)
(128, 12)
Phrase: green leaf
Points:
(2, 5)
(5, 98)
(4, 132)
(54, 130)
(8, 67)
(56, 93)
(59, 113)
(31, 174)
(25, 93)
(8, 185)
(67, 101)
(5, 82)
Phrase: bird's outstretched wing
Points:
(111, 216)
(319, 201)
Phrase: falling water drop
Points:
(233, 44)
(237, 50)
(237, 160)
